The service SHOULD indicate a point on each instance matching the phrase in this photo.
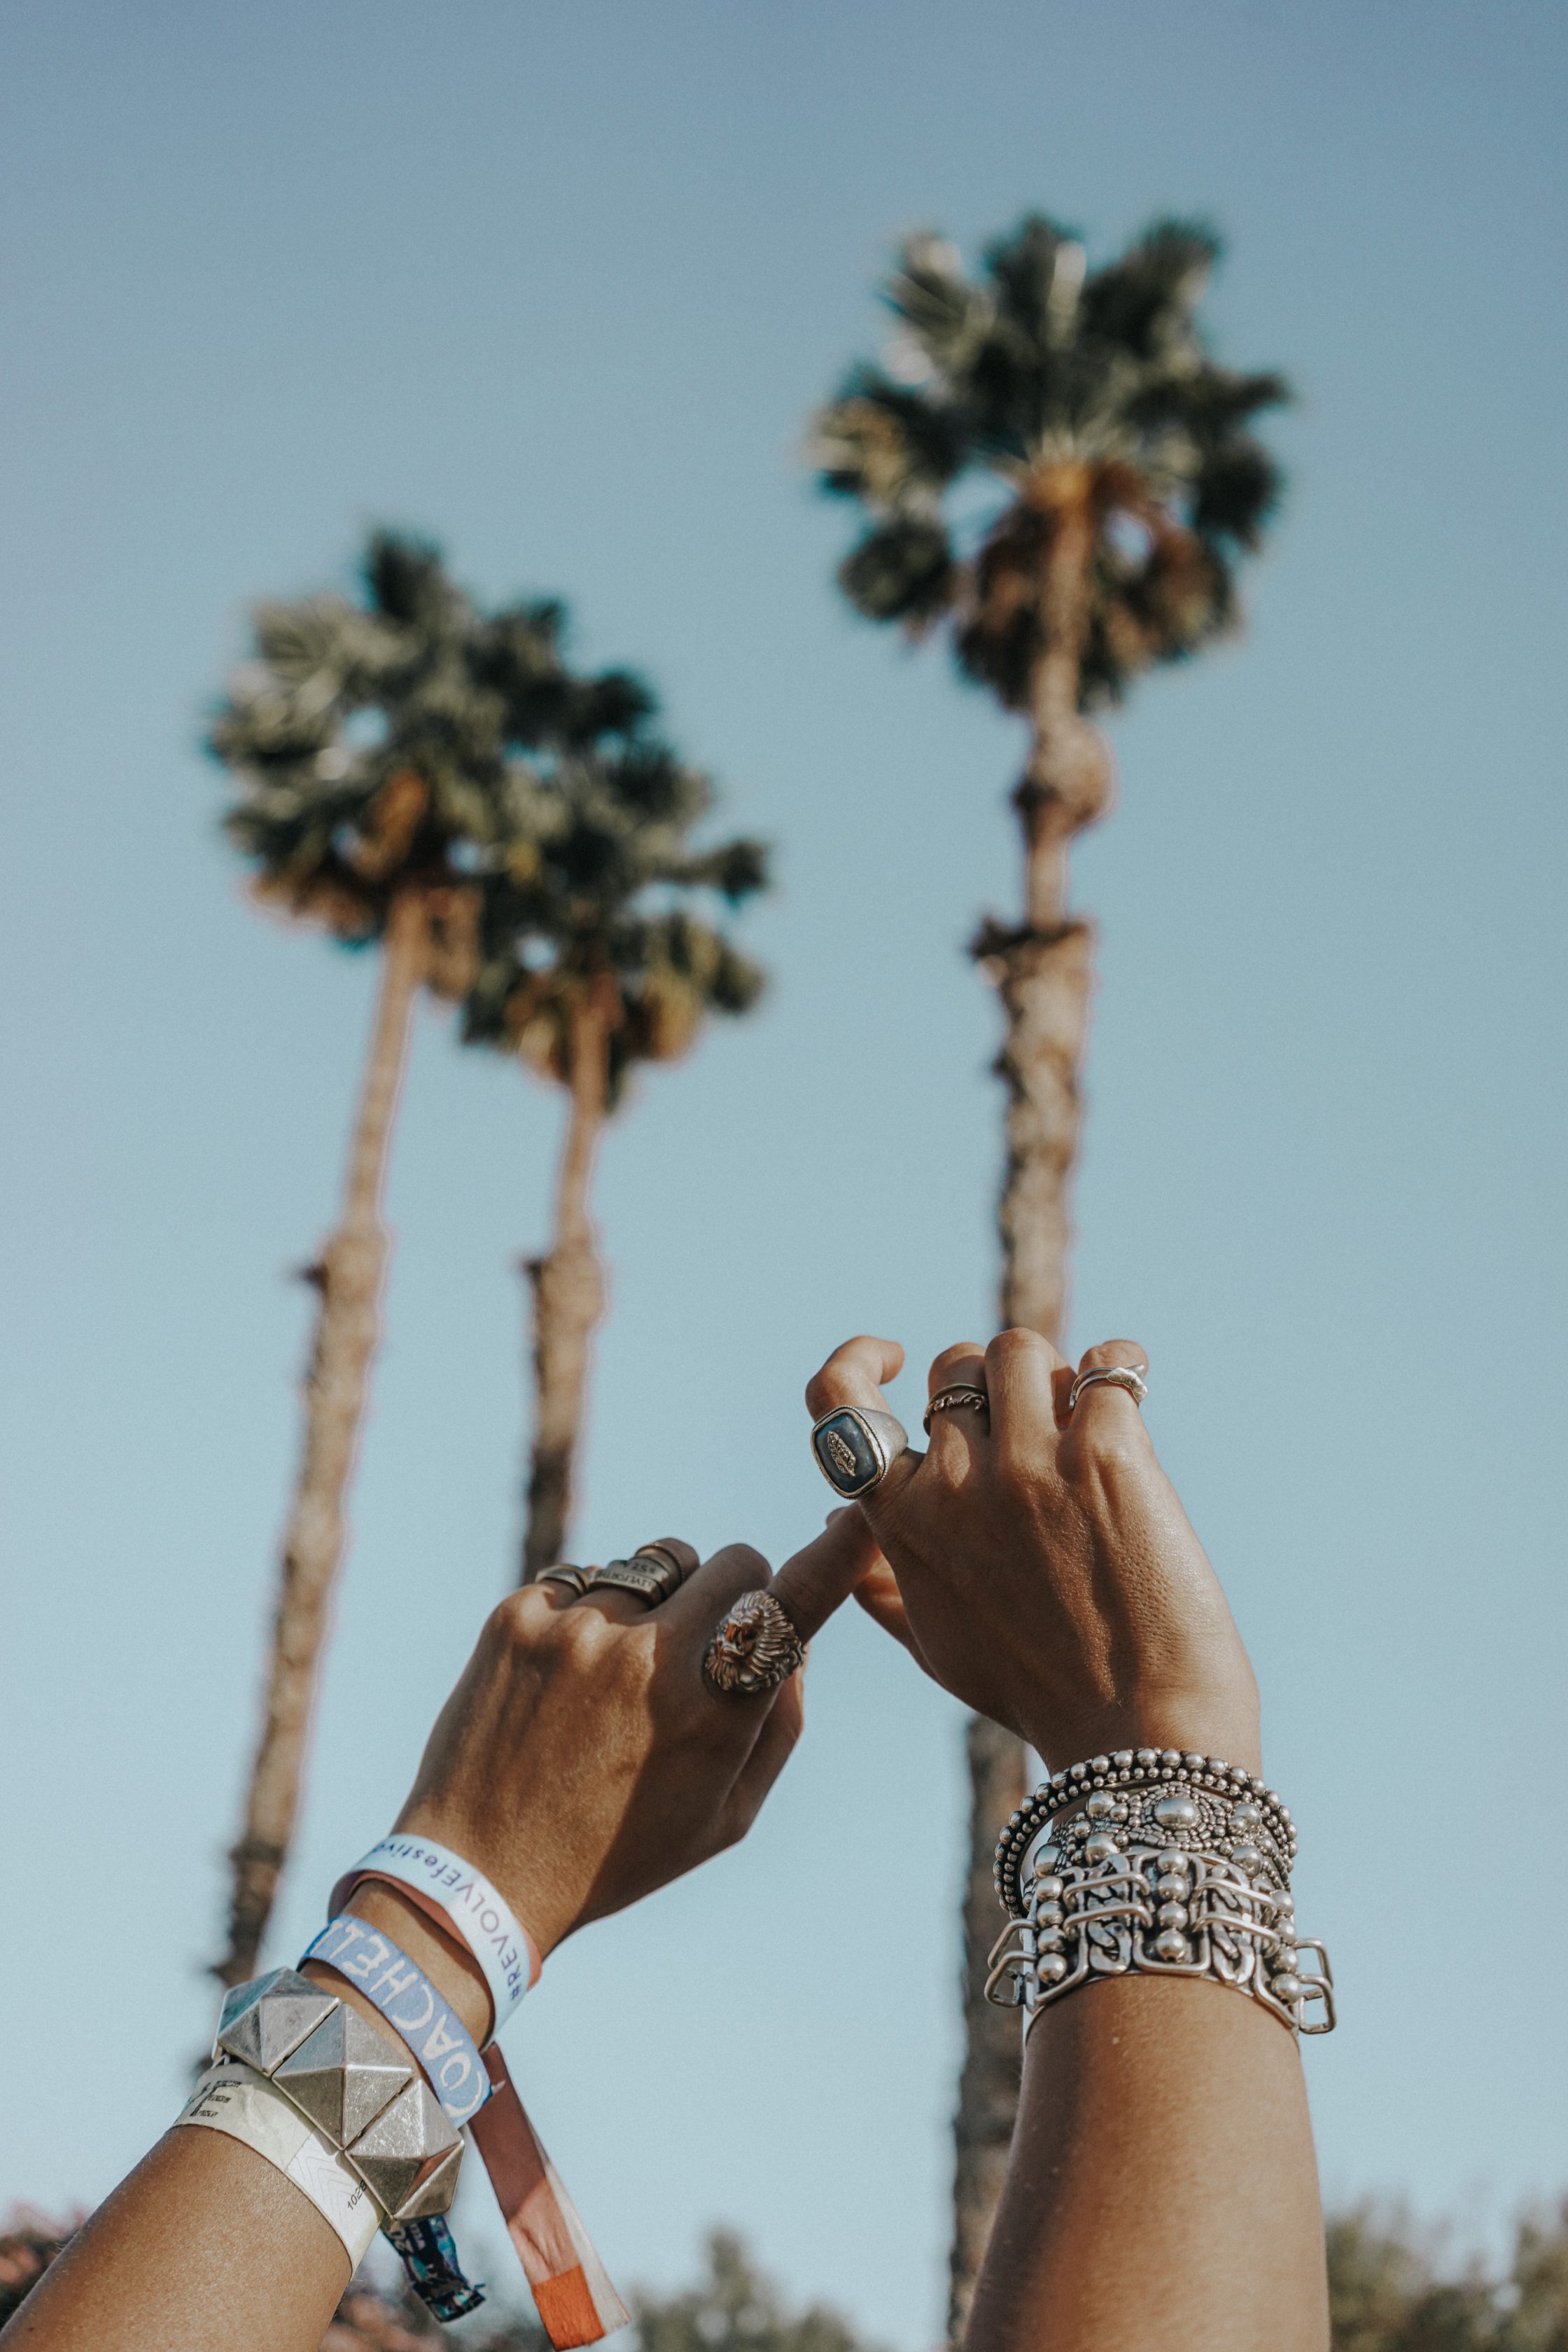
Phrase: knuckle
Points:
(1117, 1441)
(512, 1624)
(1011, 1346)
(744, 1559)
(1115, 1352)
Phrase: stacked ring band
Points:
(653, 1573)
(954, 1400)
(1113, 1376)
(575, 1579)
(855, 1448)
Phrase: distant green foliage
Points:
(736, 2309)
(1388, 2292)
(592, 893)
(411, 739)
(732, 2309)
(372, 740)
(1038, 363)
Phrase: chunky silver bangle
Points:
(1158, 1863)
(357, 2086)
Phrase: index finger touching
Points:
(813, 1582)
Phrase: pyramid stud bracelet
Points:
(359, 2087)
(1154, 1861)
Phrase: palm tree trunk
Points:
(1042, 971)
(568, 1289)
(348, 1280)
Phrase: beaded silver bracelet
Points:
(1159, 1863)
(1180, 1794)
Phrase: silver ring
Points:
(1114, 1376)
(754, 1648)
(574, 1578)
(652, 1573)
(953, 1400)
(856, 1449)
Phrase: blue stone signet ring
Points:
(856, 1449)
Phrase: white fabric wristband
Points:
(234, 2098)
(481, 1919)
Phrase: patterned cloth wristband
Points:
(234, 2098)
(574, 2297)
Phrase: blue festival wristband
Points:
(446, 2052)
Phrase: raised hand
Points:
(1038, 1563)
(585, 1759)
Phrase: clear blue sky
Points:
(558, 285)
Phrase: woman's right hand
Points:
(1040, 1565)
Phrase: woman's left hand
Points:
(585, 1759)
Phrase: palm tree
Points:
(371, 743)
(591, 959)
(1112, 482)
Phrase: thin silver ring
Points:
(1113, 1376)
(954, 1400)
(855, 1448)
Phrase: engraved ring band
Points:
(956, 1399)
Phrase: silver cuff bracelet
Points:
(359, 2087)
(1152, 1862)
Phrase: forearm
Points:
(1162, 2188)
(206, 2246)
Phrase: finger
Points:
(957, 1429)
(1020, 1372)
(812, 1583)
(776, 1736)
(718, 1584)
(850, 1376)
(854, 1374)
(879, 1595)
(1105, 1409)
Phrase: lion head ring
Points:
(754, 1648)
(855, 1448)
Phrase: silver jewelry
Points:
(575, 1579)
(354, 2084)
(856, 1448)
(653, 1574)
(755, 1648)
(1175, 1799)
(1155, 1861)
(1156, 1910)
(956, 1399)
(1114, 1376)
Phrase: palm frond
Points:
(1092, 390)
